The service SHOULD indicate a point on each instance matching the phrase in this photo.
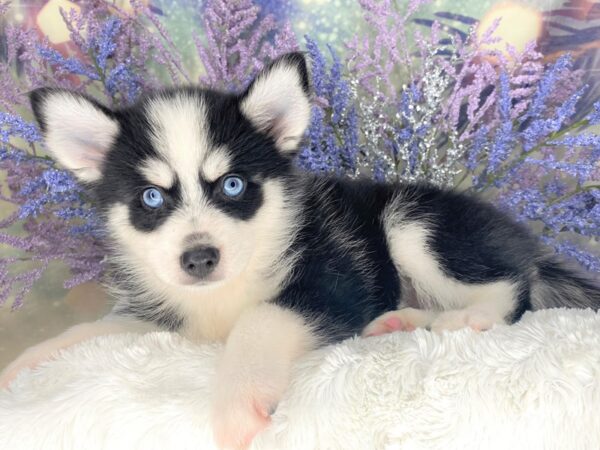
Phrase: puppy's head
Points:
(191, 182)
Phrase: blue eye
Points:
(152, 198)
(233, 185)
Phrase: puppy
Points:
(215, 234)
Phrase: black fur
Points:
(342, 222)
(473, 242)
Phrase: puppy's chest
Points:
(212, 316)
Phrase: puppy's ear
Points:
(77, 131)
(277, 101)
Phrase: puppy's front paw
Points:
(406, 319)
(463, 318)
(237, 419)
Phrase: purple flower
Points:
(479, 142)
(581, 171)
(60, 182)
(578, 140)
(594, 116)
(121, 79)
(321, 154)
(379, 54)
(504, 137)
(318, 67)
(547, 84)
(333, 142)
(67, 65)
(12, 126)
(338, 89)
(51, 187)
(540, 128)
(50, 206)
(106, 43)
(351, 144)
(238, 42)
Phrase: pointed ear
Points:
(77, 130)
(277, 101)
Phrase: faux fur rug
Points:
(534, 385)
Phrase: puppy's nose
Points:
(200, 261)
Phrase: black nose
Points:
(200, 261)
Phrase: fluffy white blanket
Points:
(530, 386)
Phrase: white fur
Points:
(78, 133)
(251, 269)
(215, 164)
(158, 173)
(180, 134)
(410, 252)
(252, 265)
(278, 104)
(533, 385)
(255, 370)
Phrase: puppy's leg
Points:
(484, 310)
(405, 319)
(447, 300)
(484, 307)
(45, 350)
(255, 370)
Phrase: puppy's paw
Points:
(236, 420)
(463, 318)
(406, 319)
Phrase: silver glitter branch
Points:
(413, 143)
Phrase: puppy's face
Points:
(192, 183)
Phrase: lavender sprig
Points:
(237, 42)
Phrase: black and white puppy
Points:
(216, 235)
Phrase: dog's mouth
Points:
(190, 281)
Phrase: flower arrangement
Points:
(412, 99)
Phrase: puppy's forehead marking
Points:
(181, 135)
(216, 163)
(158, 172)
